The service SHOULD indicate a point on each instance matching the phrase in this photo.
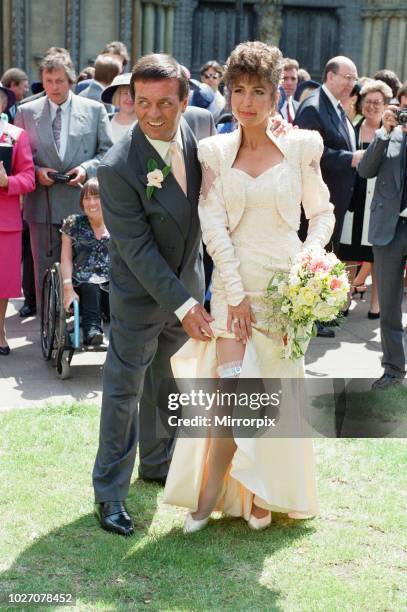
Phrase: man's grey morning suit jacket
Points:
(155, 244)
(200, 121)
(88, 140)
(386, 159)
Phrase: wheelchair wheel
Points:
(63, 366)
(48, 314)
(61, 339)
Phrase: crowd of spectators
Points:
(60, 132)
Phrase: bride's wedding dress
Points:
(250, 228)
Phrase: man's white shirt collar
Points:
(163, 146)
(334, 101)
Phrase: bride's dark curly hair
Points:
(254, 60)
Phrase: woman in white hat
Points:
(118, 94)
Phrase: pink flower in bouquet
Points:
(336, 283)
(319, 264)
(303, 258)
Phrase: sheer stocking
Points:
(230, 357)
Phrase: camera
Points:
(59, 177)
(401, 116)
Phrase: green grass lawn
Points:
(352, 557)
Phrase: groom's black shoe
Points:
(113, 516)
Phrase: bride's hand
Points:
(240, 319)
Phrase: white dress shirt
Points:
(283, 112)
(163, 149)
(65, 117)
(335, 103)
(3, 125)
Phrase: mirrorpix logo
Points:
(225, 403)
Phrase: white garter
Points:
(231, 369)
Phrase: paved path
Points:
(26, 380)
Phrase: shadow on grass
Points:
(361, 413)
(219, 567)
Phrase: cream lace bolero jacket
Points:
(222, 202)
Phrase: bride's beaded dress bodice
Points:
(262, 241)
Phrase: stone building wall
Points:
(385, 36)
(372, 32)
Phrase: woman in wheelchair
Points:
(85, 263)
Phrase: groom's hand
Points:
(196, 323)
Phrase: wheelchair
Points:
(60, 331)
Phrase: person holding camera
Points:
(385, 158)
(69, 135)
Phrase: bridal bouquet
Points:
(314, 289)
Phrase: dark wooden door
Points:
(214, 31)
(311, 36)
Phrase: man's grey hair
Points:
(56, 61)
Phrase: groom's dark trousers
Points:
(130, 366)
(156, 266)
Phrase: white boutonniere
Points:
(155, 177)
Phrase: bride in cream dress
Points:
(253, 187)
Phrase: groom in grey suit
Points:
(157, 281)
(386, 159)
(69, 135)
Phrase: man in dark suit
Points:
(322, 111)
(157, 280)
(386, 159)
(289, 83)
(16, 80)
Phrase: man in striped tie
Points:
(289, 83)
(68, 135)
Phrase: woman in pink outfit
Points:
(14, 183)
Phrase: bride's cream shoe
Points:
(259, 523)
(192, 525)
(300, 516)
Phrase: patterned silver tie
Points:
(56, 127)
